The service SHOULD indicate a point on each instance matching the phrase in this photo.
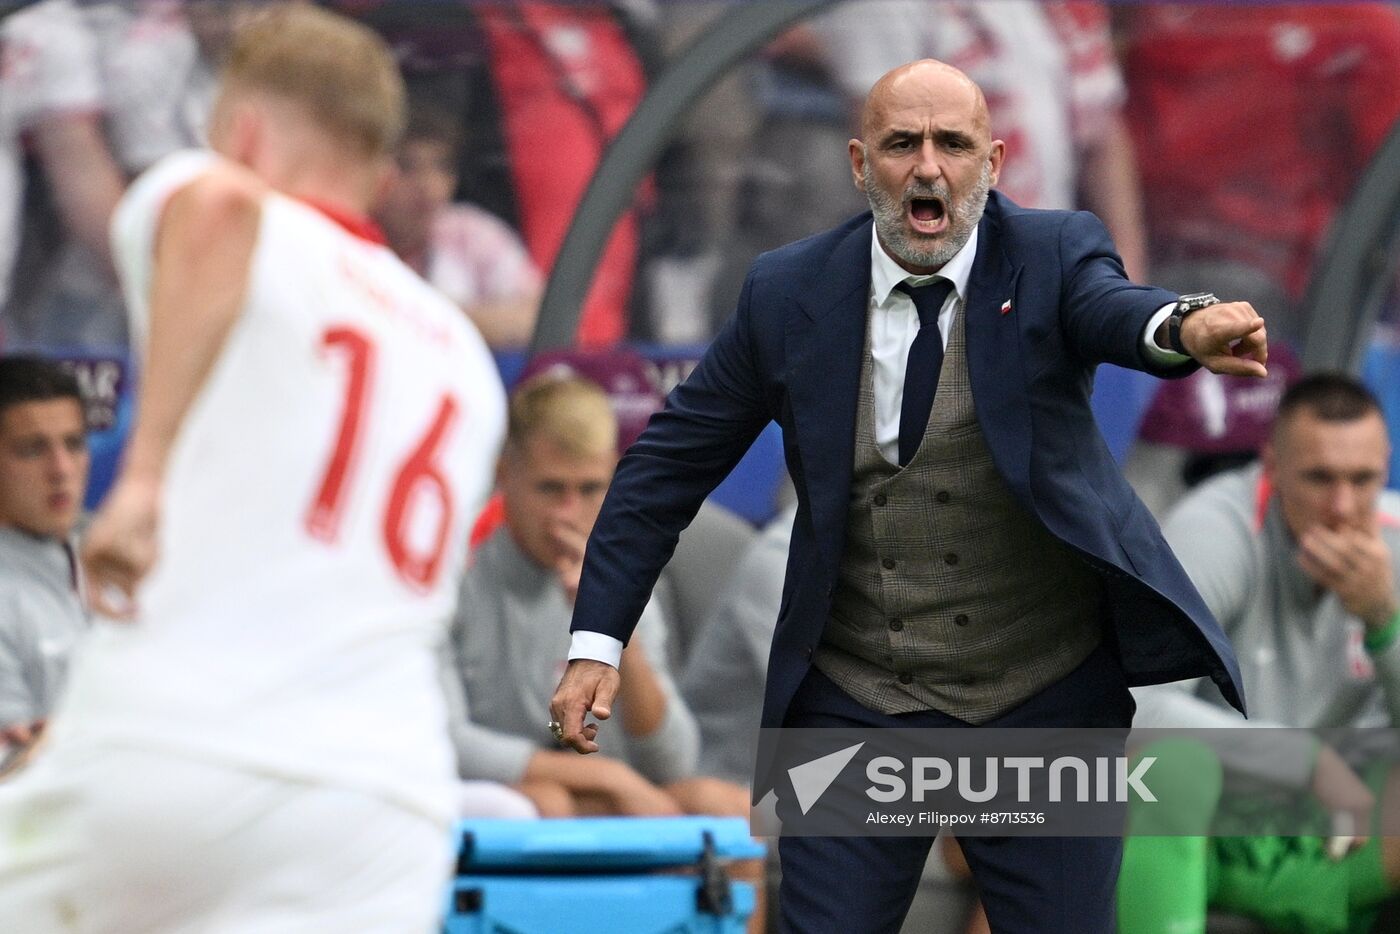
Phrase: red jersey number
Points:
(418, 481)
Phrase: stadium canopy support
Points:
(1356, 268)
(734, 34)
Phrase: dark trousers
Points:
(1035, 885)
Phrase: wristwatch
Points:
(1185, 305)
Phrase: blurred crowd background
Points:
(1245, 149)
(1219, 142)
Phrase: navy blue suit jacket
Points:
(792, 353)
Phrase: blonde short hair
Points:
(572, 412)
(341, 72)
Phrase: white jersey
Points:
(314, 517)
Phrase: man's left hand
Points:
(1227, 338)
(121, 547)
(588, 686)
(1353, 563)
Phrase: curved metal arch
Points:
(1356, 268)
(634, 151)
(1341, 306)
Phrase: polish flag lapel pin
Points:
(1006, 307)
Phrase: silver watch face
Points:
(1195, 301)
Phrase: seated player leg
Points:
(1162, 886)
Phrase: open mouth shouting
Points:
(927, 214)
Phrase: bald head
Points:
(920, 84)
(926, 160)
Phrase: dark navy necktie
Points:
(921, 369)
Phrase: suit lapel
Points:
(995, 367)
(825, 341)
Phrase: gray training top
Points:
(1301, 653)
(509, 645)
(41, 620)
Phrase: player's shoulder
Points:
(18, 583)
(195, 177)
(226, 185)
(351, 251)
(427, 311)
(1234, 500)
(216, 203)
(220, 194)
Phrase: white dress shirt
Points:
(894, 321)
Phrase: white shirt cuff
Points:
(597, 646)
(1155, 352)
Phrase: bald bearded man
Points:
(965, 552)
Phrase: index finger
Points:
(577, 736)
(1230, 365)
(1254, 343)
(573, 539)
(1324, 546)
(1369, 529)
(585, 742)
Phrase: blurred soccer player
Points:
(259, 743)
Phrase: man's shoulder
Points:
(498, 569)
(801, 256)
(21, 595)
(26, 561)
(1016, 224)
(1237, 498)
(485, 588)
(489, 557)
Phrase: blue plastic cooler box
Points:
(601, 875)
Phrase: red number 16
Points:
(420, 475)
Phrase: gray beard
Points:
(963, 218)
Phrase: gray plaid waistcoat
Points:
(951, 596)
